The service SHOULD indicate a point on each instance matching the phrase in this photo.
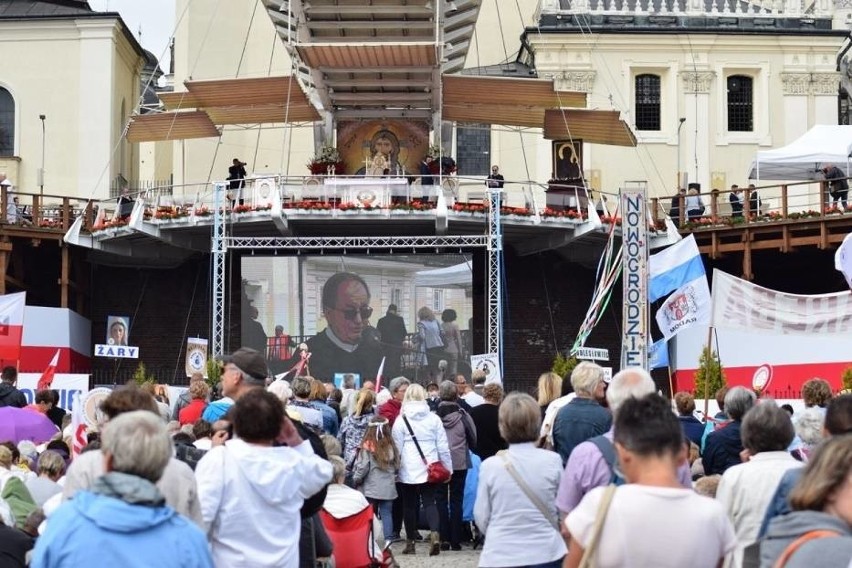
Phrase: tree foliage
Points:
(563, 366)
(710, 373)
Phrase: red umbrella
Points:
(18, 424)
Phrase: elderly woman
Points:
(514, 499)
(822, 501)
(461, 437)
(51, 467)
(417, 430)
(191, 413)
(583, 418)
(722, 447)
(693, 429)
(653, 520)
(816, 393)
(809, 432)
(746, 490)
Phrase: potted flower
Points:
(438, 164)
(327, 157)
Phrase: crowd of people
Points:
(291, 473)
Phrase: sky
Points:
(156, 19)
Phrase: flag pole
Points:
(706, 378)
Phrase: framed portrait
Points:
(568, 159)
(118, 330)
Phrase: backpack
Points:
(607, 450)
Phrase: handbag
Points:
(435, 471)
(597, 529)
(527, 490)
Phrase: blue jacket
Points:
(329, 417)
(96, 530)
(722, 449)
(693, 429)
(216, 410)
(580, 420)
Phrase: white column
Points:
(795, 89)
(824, 87)
(95, 135)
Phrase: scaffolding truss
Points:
(492, 242)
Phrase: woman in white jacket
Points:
(430, 434)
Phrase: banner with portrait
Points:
(118, 331)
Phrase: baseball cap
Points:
(251, 362)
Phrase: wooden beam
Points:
(747, 266)
(63, 279)
(5, 249)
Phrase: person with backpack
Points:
(653, 520)
(819, 530)
(593, 463)
(375, 471)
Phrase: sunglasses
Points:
(364, 311)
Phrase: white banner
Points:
(843, 259)
(66, 384)
(196, 356)
(488, 363)
(739, 304)
(634, 229)
(686, 306)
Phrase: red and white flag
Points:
(11, 325)
(78, 425)
(379, 375)
(46, 378)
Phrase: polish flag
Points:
(78, 425)
(379, 375)
(11, 325)
(47, 377)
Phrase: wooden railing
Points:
(34, 210)
(777, 202)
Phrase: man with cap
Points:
(244, 370)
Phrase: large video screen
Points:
(355, 311)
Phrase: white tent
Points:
(457, 276)
(803, 158)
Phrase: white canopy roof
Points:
(803, 158)
(456, 276)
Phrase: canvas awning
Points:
(177, 125)
(456, 276)
(372, 55)
(803, 158)
(594, 126)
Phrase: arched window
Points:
(647, 102)
(740, 104)
(7, 123)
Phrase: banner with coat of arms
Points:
(196, 356)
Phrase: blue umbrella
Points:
(18, 424)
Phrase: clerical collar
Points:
(334, 339)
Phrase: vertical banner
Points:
(196, 356)
(634, 229)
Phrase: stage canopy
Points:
(456, 276)
(803, 158)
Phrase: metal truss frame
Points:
(493, 243)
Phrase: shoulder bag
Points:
(435, 471)
(539, 504)
(589, 553)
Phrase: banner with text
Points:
(489, 364)
(66, 384)
(739, 304)
(196, 356)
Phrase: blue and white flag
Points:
(679, 268)
(658, 354)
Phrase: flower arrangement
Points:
(115, 222)
(50, 223)
(242, 208)
(521, 211)
(835, 210)
(166, 213)
(327, 157)
(469, 208)
(565, 214)
(413, 206)
(439, 165)
(202, 211)
(310, 205)
(810, 213)
(611, 220)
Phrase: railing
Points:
(34, 210)
(790, 201)
(755, 8)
